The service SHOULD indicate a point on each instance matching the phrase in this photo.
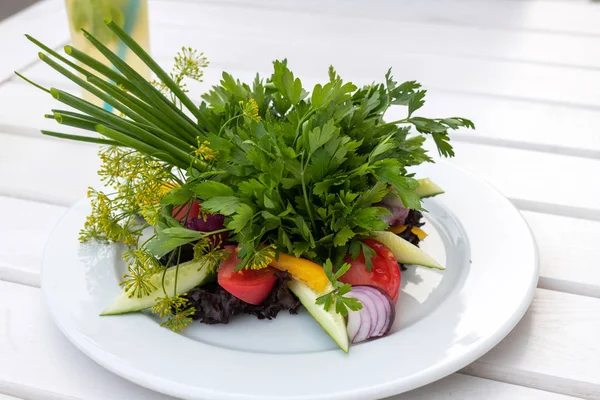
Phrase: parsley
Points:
(303, 170)
(336, 297)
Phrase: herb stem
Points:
(81, 138)
(302, 121)
(165, 273)
(399, 121)
(305, 194)
(227, 123)
(177, 272)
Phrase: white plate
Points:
(445, 319)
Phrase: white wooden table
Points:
(527, 72)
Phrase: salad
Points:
(265, 197)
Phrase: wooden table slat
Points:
(576, 18)
(44, 19)
(555, 347)
(38, 362)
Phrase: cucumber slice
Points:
(333, 323)
(191, 274)
(405, 252)
(428, 188)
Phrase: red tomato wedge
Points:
(249, 285)
(385, 273)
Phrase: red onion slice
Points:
(376, 307)
(369, 308)
(375, 318)
(385, 299)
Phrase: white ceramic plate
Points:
(445, 319)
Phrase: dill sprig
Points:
(139, 182)
(190, 64)
(141, 266)
(176, 310)
(209, 251)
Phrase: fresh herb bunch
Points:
(293, 171)
(303, 173)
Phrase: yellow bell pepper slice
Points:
(419, 232)
(302, 270)
(397, 228)
(401, 228)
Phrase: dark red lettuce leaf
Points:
(414, 218)
(215, 305)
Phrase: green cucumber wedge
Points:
(428, 188)
(405, 252)
(191, 274)
(333, 323)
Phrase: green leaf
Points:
(390, 173)
(225, 205)
(328, 268)
(442, 142)
(268, 202)
(243, 215)
(426, 125)
(368, 253)
(341, 271)
(342, 237)
(300, 248)
(319, 136)
(210, 189)
(284, 81)
(168, 239)
(416, 101)
(354, 249)
(177, 196)
(368, 218)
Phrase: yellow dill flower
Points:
(179, 320)
(261, 258)
(209, 252)
(165, 305)
(202, 151)
(176, 310)
(141, 266)
(250, 109)
(139, 182)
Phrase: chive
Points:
(154, 95)
(92, 89)
(32, 82)
(77, 115)
(94, 121)
(138, 145)
(81, 138)
(41, 45)
(102, 69)
(135, 104)
(75, 122)
(153, 65)
(129, 127)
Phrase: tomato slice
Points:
(385, 273)
(249, 285)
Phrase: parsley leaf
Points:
(336, 296)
